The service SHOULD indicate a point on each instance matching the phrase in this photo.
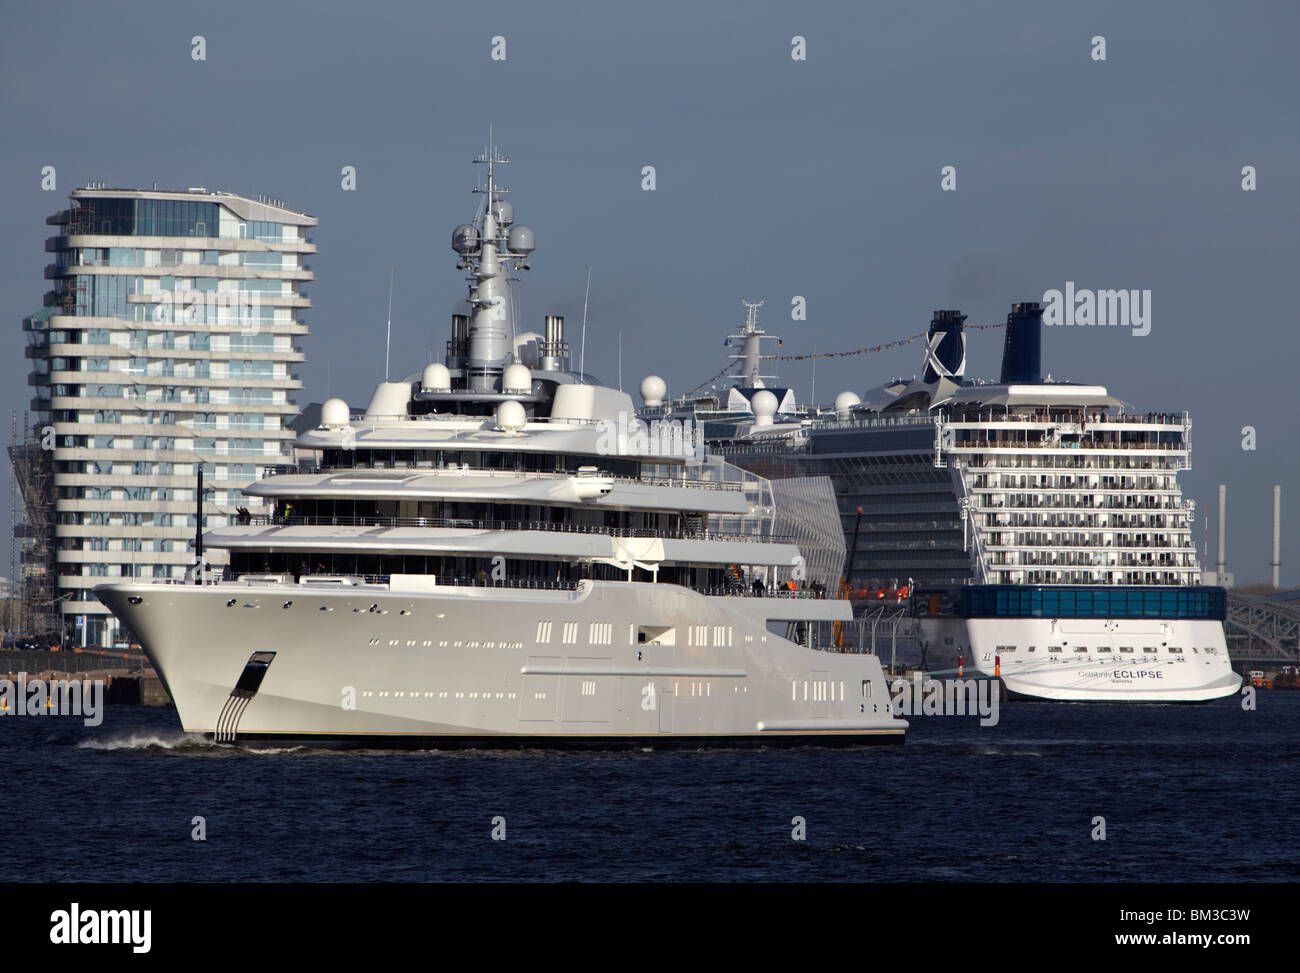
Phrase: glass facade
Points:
(149, 217)
(191, 358)
(1022, 601)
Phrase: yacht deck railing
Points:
(691, 483)
(562, 527)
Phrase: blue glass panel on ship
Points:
(1035, 601)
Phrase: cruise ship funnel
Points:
(1022, 355)
(945, 355)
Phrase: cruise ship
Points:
(497, 553)
(1026, 529)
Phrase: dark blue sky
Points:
(775, 178)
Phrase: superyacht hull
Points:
(1085, 660)
(607, 664)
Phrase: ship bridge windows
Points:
(360, 457)
(330, 511)
(450, 569)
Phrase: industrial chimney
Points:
(1277, 536)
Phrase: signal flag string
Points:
(844, 354)
(875, 348)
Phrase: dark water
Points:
(1189, 793)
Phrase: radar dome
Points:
(464, 239)
(520, 239)
(504, 212)
(764, 404)
(844, 402)
(511, 416)
(335, 414)
(436, 378)
(517, 378)
(653, 390)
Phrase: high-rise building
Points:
(168, 341)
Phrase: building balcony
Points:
(124, 352)
(68, 241)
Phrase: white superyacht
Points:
(496, 553)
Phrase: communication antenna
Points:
(582, 355)
(388, 343)
(620, 359)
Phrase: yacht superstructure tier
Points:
(1047, 497)
(498, 552)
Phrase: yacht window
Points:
(1126, 648)
(1055, 648)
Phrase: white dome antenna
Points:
(764, 404)
(335, 414)
(517, 378)
(653, 390)
(844, 403)
(511, 416)
(436, 378)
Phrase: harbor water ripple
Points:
(1189, 794)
